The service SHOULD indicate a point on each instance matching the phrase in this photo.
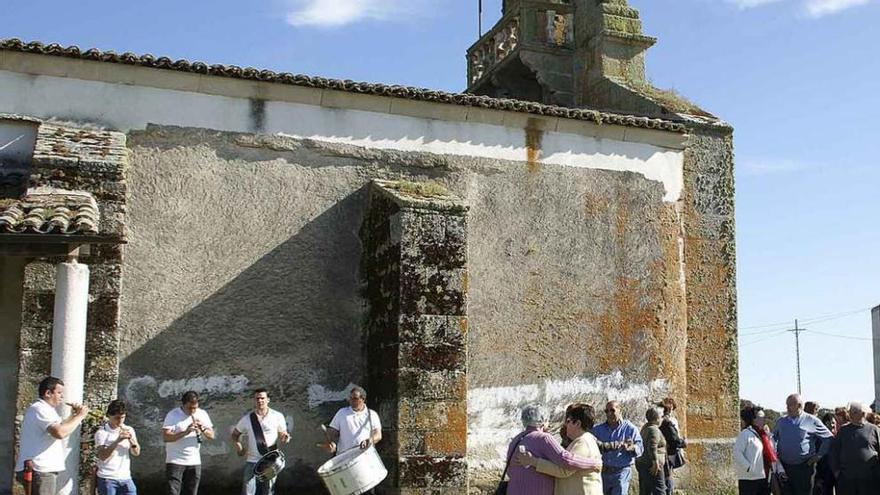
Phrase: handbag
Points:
(676, 460)
(777, 484)
(502, 484)
(778, 480)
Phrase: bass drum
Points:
(353, 472)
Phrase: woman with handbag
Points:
(534, 441)
(753, 454)
(675, 443)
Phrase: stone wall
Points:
(415, 266)
(710, 261)
(574, 280)
(93, 161)
(576, 295)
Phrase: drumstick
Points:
(326, 436)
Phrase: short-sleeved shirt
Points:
(184, 451)
(118, 465)
(353, 427)
(272, 423)
(37, 444)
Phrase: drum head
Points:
(269, 465)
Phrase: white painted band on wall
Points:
(69, 352)
(127, 107)
(494, 412)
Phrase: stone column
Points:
(415, 266)
(69, 353)
(875, 324)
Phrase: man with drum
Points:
(266, 430)
(354, 426)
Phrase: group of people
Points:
(804, 454)
(595, 459)
(41, 455)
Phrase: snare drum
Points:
(268, 467)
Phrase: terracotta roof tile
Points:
(50, 211)
(410, 93)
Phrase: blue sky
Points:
(797, 79)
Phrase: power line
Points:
(850, 337)
(812, 320)
(764, 339)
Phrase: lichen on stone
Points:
(427, 189)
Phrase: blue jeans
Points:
(250, 485)
(615, 481)
(114, 487)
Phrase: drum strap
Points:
(258, 435)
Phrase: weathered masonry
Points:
(459, 255)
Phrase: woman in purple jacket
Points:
(535, 441)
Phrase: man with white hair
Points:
(796, 436)
(855, 454)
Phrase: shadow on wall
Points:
(289, 321)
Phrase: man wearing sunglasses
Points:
(623, 443)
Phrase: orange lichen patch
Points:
(595, 205)
(621, 324)
(715, 426)
(671, 332)
(446, 415)
(446, 443)
(452, 439)
(534, 139)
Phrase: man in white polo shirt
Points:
(183, 431)
(356, 425)
(115, 443)
(41, 455)
(272, 427)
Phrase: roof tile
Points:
(50, 211)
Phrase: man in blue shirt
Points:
(796, 436)
(623, 445)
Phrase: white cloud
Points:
(335, 13)
(747, 4)
(819, 8)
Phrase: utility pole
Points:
(480, 18)
(797, 346)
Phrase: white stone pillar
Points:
(69, 354)
(875, 323)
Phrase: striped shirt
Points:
(527, 481)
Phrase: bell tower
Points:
(571, 53)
